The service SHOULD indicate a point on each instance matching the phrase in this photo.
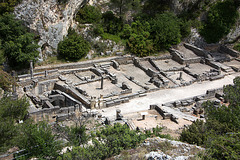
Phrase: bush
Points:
(73, 47)
(140, 45)
(10, 112)
(220, 133)
(8, 5)
(220, 19)
(38, 140)
(89, 14)
(111, 24)
(165, 31)
(18, 45)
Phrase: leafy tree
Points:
(220, 19)
(165, 30)
(15, 110)
(10, 112)
(111, 24)
(140, 45)
(89, 14)
(21, 51)
(223, 147)
(10, 28)
(8, 5)
(195, 133)
(220, 133)
(18, 45)
(73, 47)
(38, 140)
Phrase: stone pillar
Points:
(180, 76)
(92, 103)
(46, 73)
(102, 82)
(31, 68)
(100, 102)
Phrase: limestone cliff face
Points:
(49, 19)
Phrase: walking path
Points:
(167, 95)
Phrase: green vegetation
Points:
(109, 141)
(88, 14)
(10, 112)
(220, 19)
(19, 46)
(220, 134)
(73, 47)
(6, 80)
(38, 140)
(165, 30)
(8, 5)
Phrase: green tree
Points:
(10, 112)
(165, 30)
(73, 47)
(220, 133)
(111, 24)
(8, 5)
(220, 19)
(21, 51)
(38, 140)
(89, 14)
(18, 45)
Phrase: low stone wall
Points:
(74, 93)
(176, 55)
(189, 101)
(196, 50)
(84, 64)
(229, 51)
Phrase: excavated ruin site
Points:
(166, 90)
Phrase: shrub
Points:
(220, 19)
(111, 24)
(165, 30)
(18, 45)
(73, 47)
(89, 14)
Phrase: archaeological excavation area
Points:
(62, 92)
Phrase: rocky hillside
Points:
(161, 148)
(49, 19)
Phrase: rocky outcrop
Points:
(49, 19)
(170, 149)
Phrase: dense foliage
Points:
(38, 140)
(107, 142)
(18, 45)
(165, 30)
(220, 19)
(89, 14)
(73, 47)
(8, 5)
(10, 112)
(220, 134)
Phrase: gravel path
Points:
(167, 95)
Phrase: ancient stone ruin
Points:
(64, 91)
